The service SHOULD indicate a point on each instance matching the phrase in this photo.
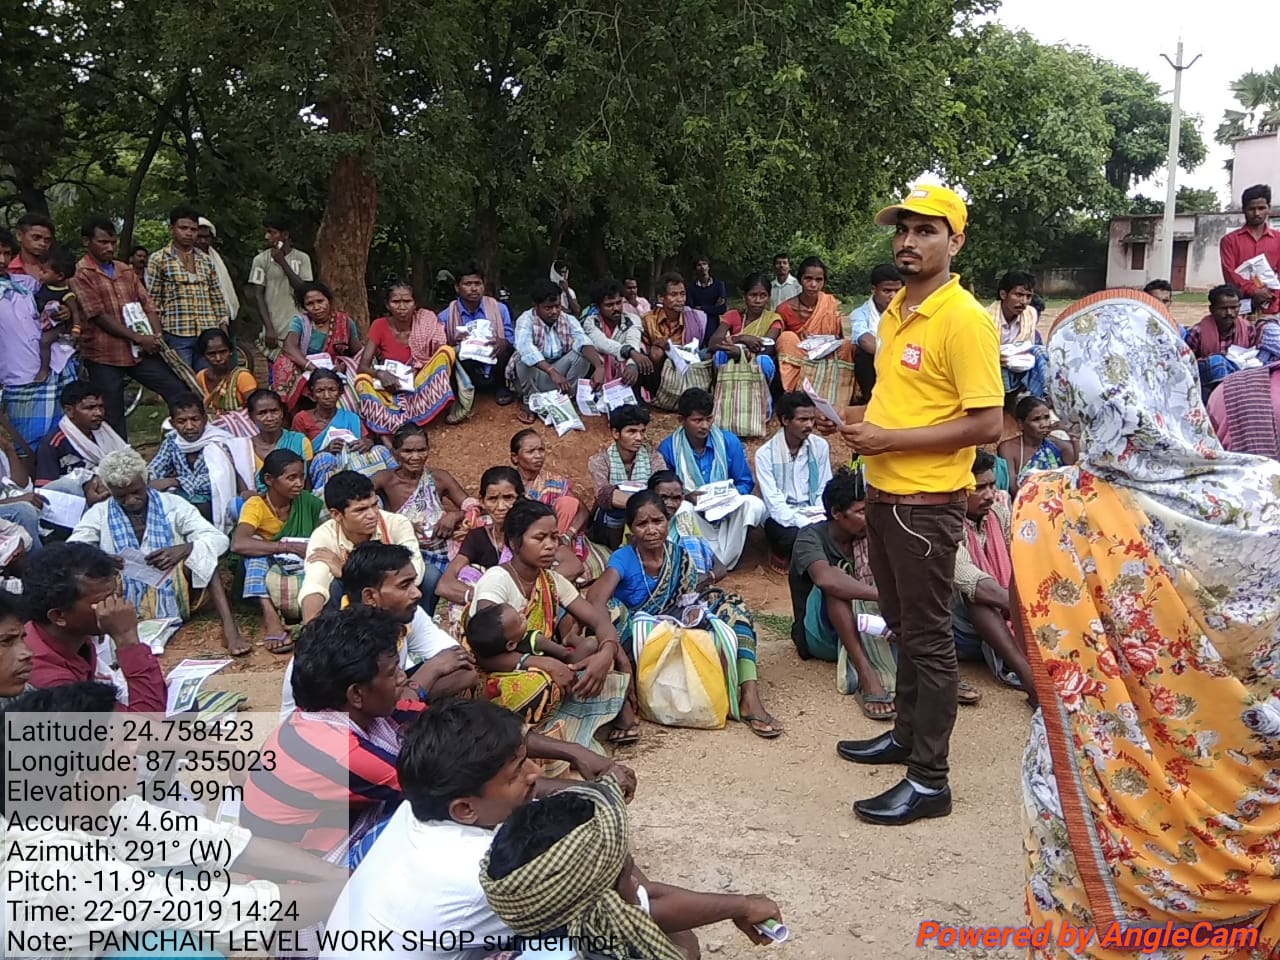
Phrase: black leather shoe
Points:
(882, 749)
(903, 803)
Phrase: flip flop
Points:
(866, 698)
(967, 695)
(525, 415)
(504, 396)
(768, 721)
(280, 644)
(624, 738)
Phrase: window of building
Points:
(1137, 256)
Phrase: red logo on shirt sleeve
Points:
(912, 356)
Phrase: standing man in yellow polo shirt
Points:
(938, 394)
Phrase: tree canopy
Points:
(402, 139)
(1259, 97)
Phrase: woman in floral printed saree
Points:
(1149, 584)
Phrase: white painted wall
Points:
(1255, 160)
(1204, 267)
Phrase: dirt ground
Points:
(726, 811)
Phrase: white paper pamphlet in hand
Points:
(136, 568)
(1243, 357)
(402, 372)
(62, 509)
(479, 349)
(135, 318)
(588, 405)
(1246, 306)
(321, 360)
(184, 683)
(1259, 268)
(337, 433)
(822, 403)
(718, 499)
(872, 625)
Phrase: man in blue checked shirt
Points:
(552, 350)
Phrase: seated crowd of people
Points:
(462, 649)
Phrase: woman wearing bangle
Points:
(593, 693)
(649, 578)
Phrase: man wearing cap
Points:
(206, 233)
(938, 395)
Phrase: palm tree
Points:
(1259, 97)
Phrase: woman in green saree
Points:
(654, 576)
(271, 537)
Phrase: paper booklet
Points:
(184, 682)
(588, 403)
(718, 499)
(136, 568)
(822, 403)
(683, 357)
(135, 318)
(62, 509)
(820, 346)
(556, 410)
(1259, 268)
(617, 394)
(402, 372)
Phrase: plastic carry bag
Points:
(679, 677)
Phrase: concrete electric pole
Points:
(1165, 267)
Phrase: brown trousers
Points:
(913, 557)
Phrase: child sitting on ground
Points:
(54, 293)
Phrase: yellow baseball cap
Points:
(929, 200)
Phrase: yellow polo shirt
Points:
(939, 361)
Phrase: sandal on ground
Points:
(504, 396)
(779, 564)
(525, 415)
(867, 700)
(967, 694)
(766, 727)
(624, 736)
(280, 644)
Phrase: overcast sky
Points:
(1230, 37)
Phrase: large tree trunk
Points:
(484, 236)
(31, 195)
(351, 209)
(345, 234)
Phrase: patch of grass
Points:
(773, 623)
(144, 424)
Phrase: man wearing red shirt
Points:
(35, 237)
(73, 599)
(1255, 237)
